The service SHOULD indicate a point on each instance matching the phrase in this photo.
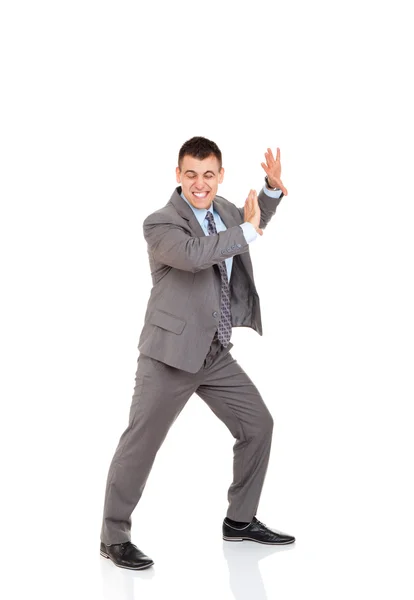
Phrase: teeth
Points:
(200, 195)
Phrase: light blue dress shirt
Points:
(250, 233)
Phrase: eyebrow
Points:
(191, 171)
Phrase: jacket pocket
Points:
(166, 321)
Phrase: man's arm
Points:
(267, 205)
(171, 245)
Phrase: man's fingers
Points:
(269, 160)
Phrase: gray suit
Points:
(184, 307)
(180, 355)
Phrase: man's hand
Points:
(273, 170)
(252, 211)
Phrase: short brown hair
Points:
(201, 148)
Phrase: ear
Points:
(178, 174)
(221, 175)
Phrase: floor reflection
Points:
(122, 584)
(243, 563)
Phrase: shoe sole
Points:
(122, 566)
(241, 539)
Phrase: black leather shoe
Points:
(126, 555)
(255, 532)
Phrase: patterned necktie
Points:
(224, 327)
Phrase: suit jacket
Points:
(183, 310)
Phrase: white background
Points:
(97, 98)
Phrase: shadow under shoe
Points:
(126, 555)
(256, 531)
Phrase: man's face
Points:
(199, 179)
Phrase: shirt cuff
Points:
(272, 193)
(249, 232)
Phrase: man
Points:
(198, 247)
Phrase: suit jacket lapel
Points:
(186, 213)
(225, 214)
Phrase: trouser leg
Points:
(234, 398)
(159, 396)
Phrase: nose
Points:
(199, 184)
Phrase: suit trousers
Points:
(160, 393)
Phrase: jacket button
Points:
(215, 314)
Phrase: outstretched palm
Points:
(273, 170)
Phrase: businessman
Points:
(203, 285)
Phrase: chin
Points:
(201, 202)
